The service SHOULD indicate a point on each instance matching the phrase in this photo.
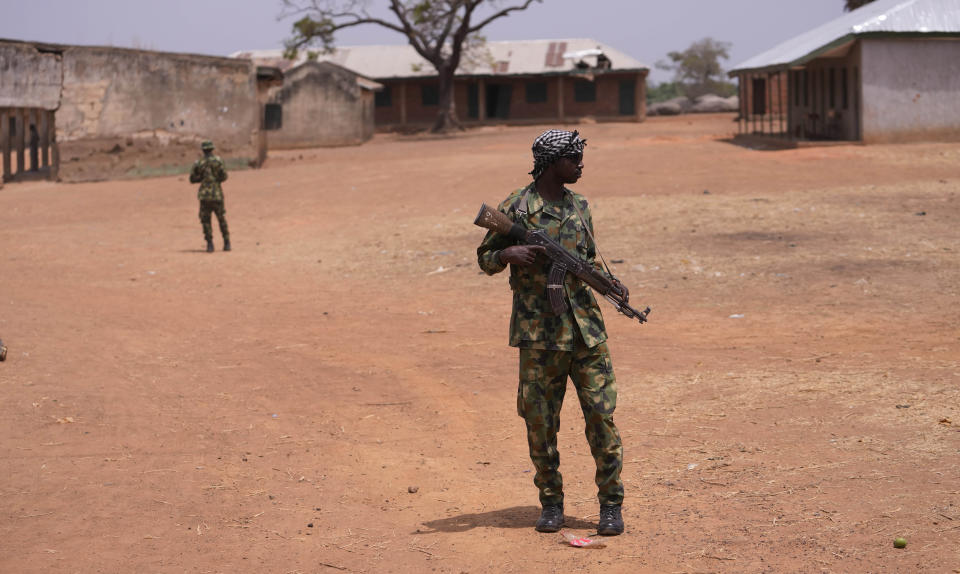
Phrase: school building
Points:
(516, 82)
(886, 72)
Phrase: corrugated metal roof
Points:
(362, 81)
(499, 58)
(882, 16)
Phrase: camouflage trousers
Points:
(212, 206)
(543, 382)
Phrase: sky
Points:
(646, 30)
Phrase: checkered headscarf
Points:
(552, 145)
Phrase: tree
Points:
(441, 31)
(697, 69)
(851, 5)
(662, 92)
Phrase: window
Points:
(429, 95)
(759, 89)
(794, 92)
(584, 91)
(832, 87)
(536, 92)
(823, 84)
(806, 88)
(856, 90)
(796, 88)
(273, 117)
(813, 90)
(844, 90)
(383, 98)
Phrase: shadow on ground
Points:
(515, 517)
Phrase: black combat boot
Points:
(209, 245)
(226, 244)
(611, 521)
(551, 518)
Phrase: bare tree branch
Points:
(438, 30)
(501, 14)
(413, 35)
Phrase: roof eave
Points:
(852, 37)
(780, 66)
(521, 74)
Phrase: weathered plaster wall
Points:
(130, 113)
(322, 106)
(29, 78)
(911, 89)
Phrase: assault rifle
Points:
(563, 261)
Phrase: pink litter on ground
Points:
(582, 541)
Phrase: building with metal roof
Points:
(82, 113)
(319, 104)
(888, 71)
(529, 81)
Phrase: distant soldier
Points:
(210, 172)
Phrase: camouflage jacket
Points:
(209, 172)
(533, 325)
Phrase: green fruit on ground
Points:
(899, 542)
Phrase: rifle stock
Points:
(498, 222)
(563, 261)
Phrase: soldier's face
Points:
(570, 168)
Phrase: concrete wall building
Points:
(889, 71)
(108, 113)
(537, 81)
(319, 104)
(30, 84)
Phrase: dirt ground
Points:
(337, 393)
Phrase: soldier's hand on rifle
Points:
(622, 287)
(520, 254)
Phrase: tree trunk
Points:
(447, 120)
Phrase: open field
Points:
(792, 405)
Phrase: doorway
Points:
(498, 100)
(628, 99)
(28, 148)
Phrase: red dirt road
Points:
(792, 406)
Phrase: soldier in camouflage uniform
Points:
(210, 172)
(553, 347)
